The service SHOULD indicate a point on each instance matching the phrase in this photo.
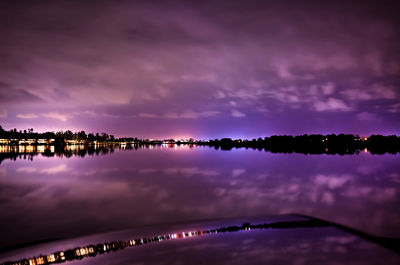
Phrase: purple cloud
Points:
(209, 62)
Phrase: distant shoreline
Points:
(314, 144)
(307, 144)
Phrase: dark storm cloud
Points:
(10, 95)
(209, 61)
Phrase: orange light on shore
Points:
(40, 260)
(51, 258)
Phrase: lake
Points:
(76, 193)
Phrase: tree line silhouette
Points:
(306, 144)
(62, 137)
(59, 136)
(313, 144)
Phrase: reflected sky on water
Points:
(51, 197)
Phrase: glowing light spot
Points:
(51, 258)
(40, 260)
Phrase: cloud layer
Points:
(269, 67)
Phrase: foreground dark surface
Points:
(264, 240)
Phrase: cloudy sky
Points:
(204, 69)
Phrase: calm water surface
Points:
(53, 197)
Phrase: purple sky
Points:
(203, 69)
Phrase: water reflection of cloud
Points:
(375, 194)
(368, 169)
(328, 198)
(13, 192)
(140, 191)
(341, 239)
(237, 172)
(26, 169)
(395, 177)
(202, 247)
(318, 194)
(98, 172)
(98, 189)
(357, 192)
(262, 176)
(385, 194)
(332, 181)
(220, 191)
(55, 170)
(147, 170)
(189, 172)
(185, 171)
(161, 195)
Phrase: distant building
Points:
(4, 141)
(72, 142)
(27, 141)
(45, 141)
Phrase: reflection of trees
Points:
(59, 151)
(15, 156)
(67, 151)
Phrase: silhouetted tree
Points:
(82, 135)
(91, 137)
